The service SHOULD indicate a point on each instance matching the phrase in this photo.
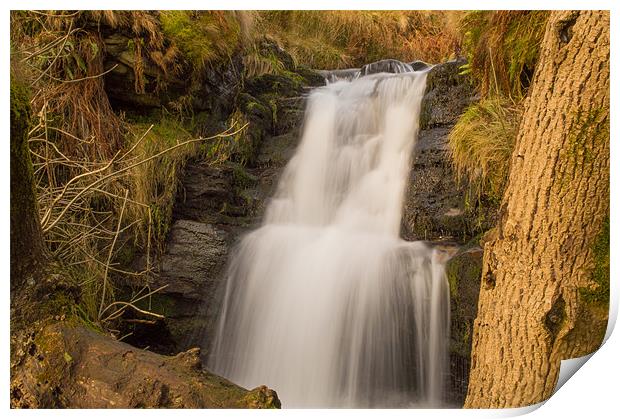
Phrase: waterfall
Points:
(324, 302)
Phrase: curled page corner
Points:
(568, 367)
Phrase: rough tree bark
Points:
(531, 312)
(27, 249)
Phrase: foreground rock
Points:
(67, 365)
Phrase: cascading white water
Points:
(324, 302)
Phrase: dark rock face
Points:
(436, 208)
(435, 205)
(215, 205)
(447, 94)
(433, 208)
(67, 365)
(218, 87)
(213, 91)
(463, 271)
(194, 256)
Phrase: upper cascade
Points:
(325, 302)
(382, 66)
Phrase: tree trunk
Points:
(27, 246)
(533, 311)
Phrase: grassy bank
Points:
(502, 49)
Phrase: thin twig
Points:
(105, 274)
(131, 304)
(125, 169)
(84, 78)
(73, 180)
(56, 57)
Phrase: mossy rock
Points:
(69, 366)
(448, 92)
(269, 48)
(257, 111)
(310, 77)
(281, 85)
(277, 151)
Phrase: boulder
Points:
(385, 66)
(66, 365)
(419, 65)
(267, 47)
(311, 78)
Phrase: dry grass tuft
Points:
(481, 145)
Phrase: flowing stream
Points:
(324, 302)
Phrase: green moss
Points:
(462, 267)
(50, 348)
(20, 104)
(68, 358)
(600, 272)
(588, 129)
(260, 398)
(160, 303)
(242, 178)
(522, 47)
(463, 272)
(81, 317)
(202, 36)
(155, 183)
(60, 303)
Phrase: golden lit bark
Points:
(531, 314)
